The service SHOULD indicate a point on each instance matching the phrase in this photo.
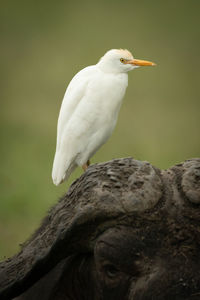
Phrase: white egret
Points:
(90, 109)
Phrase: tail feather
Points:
(62, 168)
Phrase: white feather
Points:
(89, 112)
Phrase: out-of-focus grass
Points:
(43, 44)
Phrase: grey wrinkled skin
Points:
(125, 230)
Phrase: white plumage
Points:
(90, 109)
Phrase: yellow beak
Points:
(139, 62)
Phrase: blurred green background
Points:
(43, 44)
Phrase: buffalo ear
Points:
(104, 194)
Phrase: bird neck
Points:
(107, 67)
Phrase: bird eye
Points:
(122, 60)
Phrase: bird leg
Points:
(85, 166)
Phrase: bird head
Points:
(121, 61)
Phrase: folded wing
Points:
(64, 160)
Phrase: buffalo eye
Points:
(111, 271)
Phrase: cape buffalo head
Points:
(124, 231)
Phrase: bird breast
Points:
(105, 94)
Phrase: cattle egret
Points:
(90, 109)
